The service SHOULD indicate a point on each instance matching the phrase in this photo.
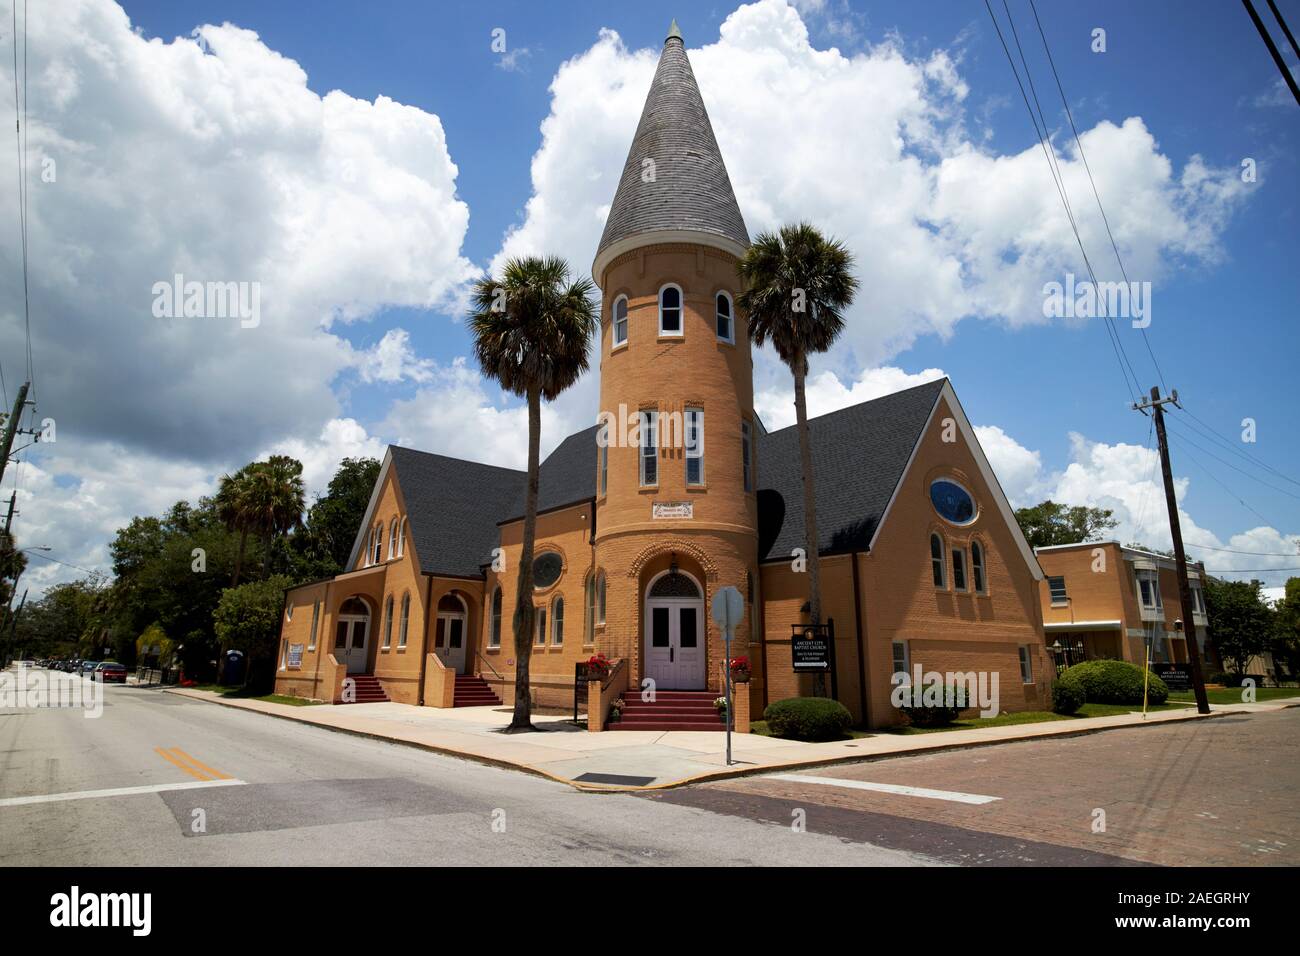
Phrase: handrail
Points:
(613, 672)
(494, 671)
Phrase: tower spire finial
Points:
(673, 32)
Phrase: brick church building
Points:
(680, 491)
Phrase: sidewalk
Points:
(621, 760)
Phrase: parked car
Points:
(88, 667)
(110, 672)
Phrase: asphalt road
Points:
(210, 785)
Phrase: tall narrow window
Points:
(936, 560)
(670, 310)
(379, 543)
(392, 540)
(603, 454)
(494, 634)
(1026, 665)
(726, 331)
(388, 622)
(589, 633)
(649, 449)
(540, 636)
(695, 446)
(406, 618)
(958, 569)
(401, 537)
(620, 321)
(600, 598)
(902, 663)
(977, 565)
(315, 620)
(747, 454)
(557, 622)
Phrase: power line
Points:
(46, 557)
(1208, 431)
(1245, 570)
(1258, 554)
(1281, 491)
(1277, 15)
(1082, 156)
(1272, 49)
(1235, 497)
(1126, 368)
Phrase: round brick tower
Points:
(676, 511)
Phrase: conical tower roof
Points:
(687, 188)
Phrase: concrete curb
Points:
(713, 775)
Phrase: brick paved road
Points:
(1218, 792)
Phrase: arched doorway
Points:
(351, 632)
(449, 632)
(675, 638)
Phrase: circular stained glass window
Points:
(952, 501)
(546, 569)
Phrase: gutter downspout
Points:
(861, 634)
(424, 637)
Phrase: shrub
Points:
(807, 718)
(945, 703)
(1068, 694)
(1116, 682)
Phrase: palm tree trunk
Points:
(269, 539)
(523, 620)
(239, 556)
(809, 493)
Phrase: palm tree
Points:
(276, 500)
(532, 331)
(797, 285)
(235, 509)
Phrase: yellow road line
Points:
(174, 760)
(216, 774)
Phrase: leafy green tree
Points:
(532, 331)
(277, 498)
(798, 285)
(1286, 636)
(234, 503)
(247, 618)
(1241, 624)
(322, 548)
(1049, 523)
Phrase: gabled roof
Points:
(567, 476)
(451, 509)
(859, 454)
(689, 190)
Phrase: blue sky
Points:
(1196, 74)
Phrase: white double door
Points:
(449, 641)
(350, 637)
(675, 643)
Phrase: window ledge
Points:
(621, 346)
(670, 337)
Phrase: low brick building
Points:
(680, 491)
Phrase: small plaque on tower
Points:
(672, 509)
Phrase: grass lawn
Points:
(1232, 695)
(1035, 717)
(760, 727)
(244, 693)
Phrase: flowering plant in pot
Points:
(721, 705)
(616, 711)
(597, 667)
(740, 670)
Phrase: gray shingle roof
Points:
(691, 189)
(859, 455)
(452, 507)
(566, 476)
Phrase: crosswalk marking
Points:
(952, 796)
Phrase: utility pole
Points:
(1156, 404)
(11, 427)
(13, 497)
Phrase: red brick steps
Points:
(473, 691)
(671, 710)
(368, 690)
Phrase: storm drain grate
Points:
(619, 779)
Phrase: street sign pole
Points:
(728, 609)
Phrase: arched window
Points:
(388, 621)
(406, 618)
(589, 595)
(619, 314)
(557, 621)
(670, 310)
(379, 543)
(602, 458)
(494, 635)
(600, 598)
(936, 560)
(539, 632)
(392, 539)
(674, 584)
(724, 310)
(401, 537)
(315, 621)
(977, 566)
(959, 569)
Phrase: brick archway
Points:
(667, 546)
